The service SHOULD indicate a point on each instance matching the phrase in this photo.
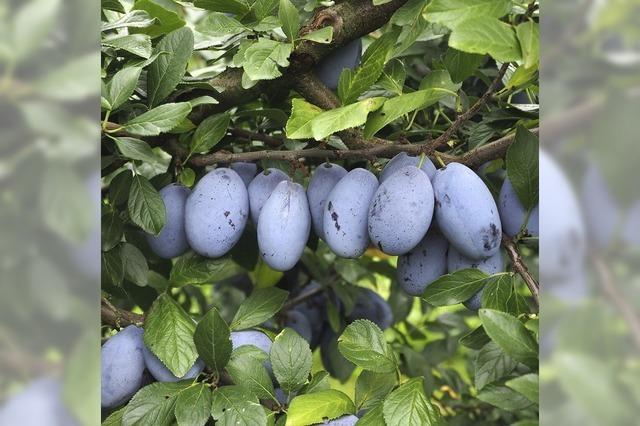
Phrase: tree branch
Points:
(116, 317)
(472, 158)
(521, 269)
(350, 20)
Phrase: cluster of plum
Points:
(126, 361)
(127, 364)
(434, 220)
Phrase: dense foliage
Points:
(218, 306)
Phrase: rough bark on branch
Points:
(116, 317)
(474, 158)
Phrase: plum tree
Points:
(401, 211)
(261, 188)
(424, 263)
(403, 159)
(246, 171)
(346, 213)
(331, 67)
(324, 179)
(216, 213)
(284, 226)
(349, 420)
(172, 240)
(491, 265)
(122, 366)
(296, 320)
(371, 306)
(466, 211)
(162, 374)
(513, 213)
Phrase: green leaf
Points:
(324, 35)
(137, 44)
(290, 359)
(372, 388)
(136, 269)
(400, 105)
(302, 113)
(236, 405)
(158, 120)
(504, 398)
(246, 368)
(439, 79)
(500, 294)
(119, 187)
(168, 333)
(133, 19)
(328, 122)
(455, 287)
(212, 339)
(135, 149)
(154, 404)
(167, 71)
(194, 269)
(486, 35)
(315, 407)
(290, 19)
(112, 266)
(475, 339)
(373, 417)
(146, 207)
(492, 364)
(263, 58)
(408, 405)
(354, 84)
(453, 12)
(111, 230)
(122, 85)
(114, 5)
(209, 133)
(511, 335)
(393, 77)
(522, 167)
(193, 406)
(319, 382)
(115, 418)
(528, 385)
(217, 24)
(529, 36)
(236, 7)
(261, 9)
(166, 20)
(261, 305)
(363, 343)
(461, 64)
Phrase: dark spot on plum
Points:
(380, 245)
(329, 206)
(334, 217)
(233, 225)
(227, 213)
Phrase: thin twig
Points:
(468, 114)
(521, 269)
(609, 287)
